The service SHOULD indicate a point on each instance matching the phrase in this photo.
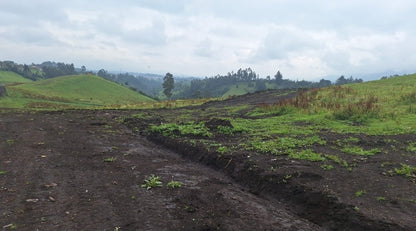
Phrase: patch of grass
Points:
(337, 160)
(230, 130)
(283, 145)
(355, 150)
(411, 147)
(152, 181)
(174, 184)
(8, 77)
(3, 172)
(327, 167)
(187, 129)
(408, 98)
(406, 170)
(10, 142)
(78, 91)
(307, 154)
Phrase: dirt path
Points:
(54, 177)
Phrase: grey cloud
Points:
(204, 49)
(279, 43)
(154, 35)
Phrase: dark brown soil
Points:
(53, 176)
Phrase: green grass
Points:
(307, 154)
(80, 91)
(239, 89)
(187, 129)
(355, 150)
(8, 77)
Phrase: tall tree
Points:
(278, 77)
(168, 85)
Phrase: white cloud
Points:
(303, 39)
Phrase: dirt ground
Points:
(54, 177)
(84, 170)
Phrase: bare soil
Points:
(55, 174)
(55, 178)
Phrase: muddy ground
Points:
(84, 170)
(54, 177)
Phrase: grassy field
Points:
(80, 91)
(292, 126)
(8, 77)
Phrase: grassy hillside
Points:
(81, 91)
(8, 77)
(355, 143)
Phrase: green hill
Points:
(80, 91)
(8, 77)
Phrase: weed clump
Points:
(152, 181)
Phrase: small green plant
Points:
(10, 142)
(360, 193)
(222, 149)
(111, 159)
(152, 181)
(327, 167)
(356, 208)
(286, 178)
(381, 199)
(406, 170)
(174, 184)
(3, 172)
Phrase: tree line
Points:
(44, 70)
(218, 85)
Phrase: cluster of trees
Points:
(52, 69)
(30, 72)
(218, 85)
(44, 70)
(342, 80)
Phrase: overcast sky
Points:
(304, 39)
